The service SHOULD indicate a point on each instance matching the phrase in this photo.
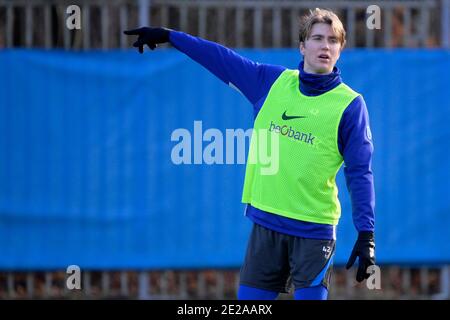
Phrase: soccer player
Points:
(322, 123)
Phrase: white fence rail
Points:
(243, 23)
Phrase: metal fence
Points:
(396, 283)
(234, 23)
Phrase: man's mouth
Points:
(324, 57)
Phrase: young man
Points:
(294, 231)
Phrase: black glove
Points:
(149, 36)
(364, 249)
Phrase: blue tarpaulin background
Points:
(86, 175)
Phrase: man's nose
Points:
(325, 45)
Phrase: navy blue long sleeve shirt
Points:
(254, 80)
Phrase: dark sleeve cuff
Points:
(366, 235)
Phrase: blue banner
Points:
(87, 175)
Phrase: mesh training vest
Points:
(304, 188)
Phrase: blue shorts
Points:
(274, 261)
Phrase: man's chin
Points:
(319, 69)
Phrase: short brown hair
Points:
(322, 16)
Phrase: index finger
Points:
(133, 31)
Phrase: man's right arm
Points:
(252, 79)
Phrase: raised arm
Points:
(252, 79)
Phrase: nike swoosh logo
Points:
(285, 117)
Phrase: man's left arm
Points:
(356, 147)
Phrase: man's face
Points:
(321, 50)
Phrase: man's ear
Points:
(339, 53)
(302, 47)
